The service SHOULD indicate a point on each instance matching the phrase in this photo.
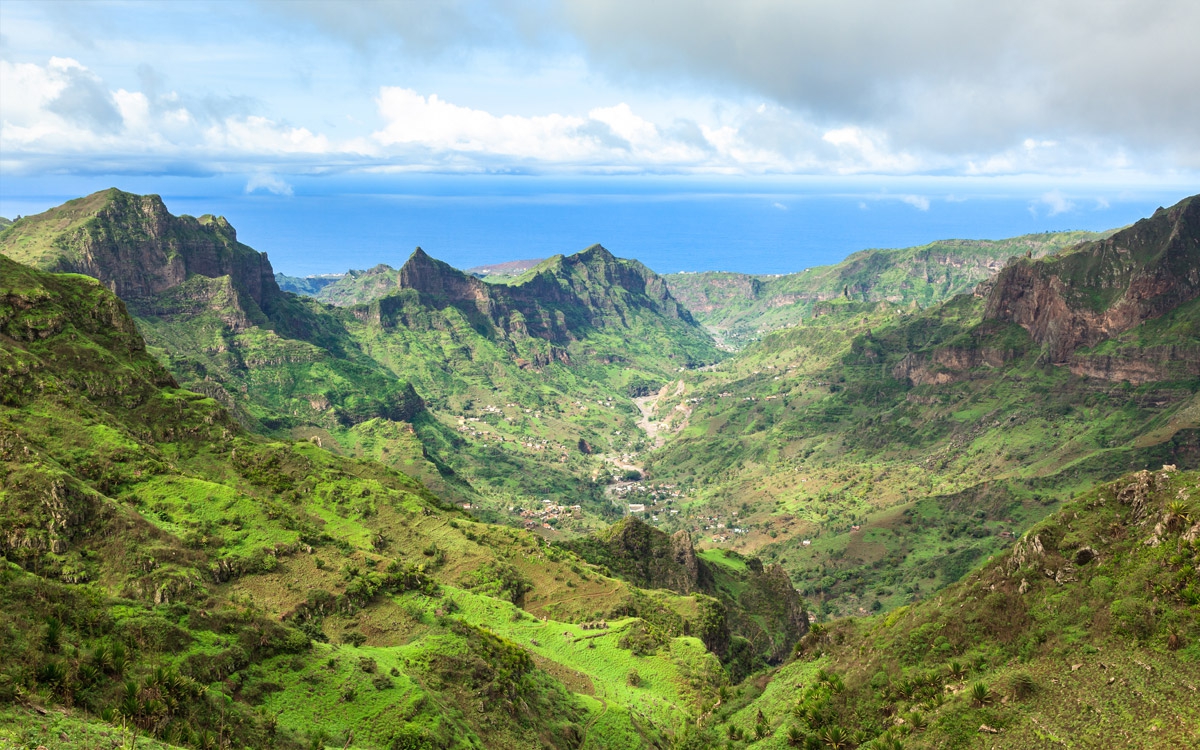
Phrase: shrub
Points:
(980, 695)
(1022, 685)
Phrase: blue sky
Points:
(1066, 105)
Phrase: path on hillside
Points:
(648, 405)
(587, 730)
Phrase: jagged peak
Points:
(596, 251)
(421, 260)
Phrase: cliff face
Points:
(136, 248)
(552, 301)
(560, 301)
(1104, 288)
(211, 307)
(760, 603)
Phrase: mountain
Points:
(306, 285)
(741, 307)
(878, 452)
(137, 248)
(483, 391)
(1101, 290)
(1084, 632)
(167, 572)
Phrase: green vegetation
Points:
(233, 517)
(741, 308)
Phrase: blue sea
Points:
(762, 226)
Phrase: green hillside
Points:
(233, 516)
(486, 393)
(905, 446)
(1083, 633)
(741, 308)
(167, 572)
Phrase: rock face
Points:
(949, 364)
(1140, 365)
(136, 248)
(559, 301)
(212, 307)
(649, 558)
(1104, 288)
(766, 611)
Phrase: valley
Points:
(915, 499)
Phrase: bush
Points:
(1022, 685)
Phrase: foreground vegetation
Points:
(191, 559)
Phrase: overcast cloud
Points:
(748, 87)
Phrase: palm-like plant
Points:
(1177, 514)
(917, 721)
(980, 695)
(906, 689)
(835, 738)
(957, 671)
(1022, 685)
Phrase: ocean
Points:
(329, 225)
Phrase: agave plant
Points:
(53, 635)
(795, 738)
(980, 695)
(835, 738)
(88, 674)
(957, 671)
(906, 689)
(887, 741)
(917, 721)
(1177, 514)
(51, 673)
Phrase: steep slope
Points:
(741, 308)
(763, 613)
(559, 300)
(1084, 633)
(210, 306)
(484, 391)
(167, 572)
(877, 453)
(1101, 290)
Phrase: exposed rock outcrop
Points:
(137, 248)
(1103, 288)
(948, 365)
(766, 610)
(560, 300)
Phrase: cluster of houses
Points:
(549, 511)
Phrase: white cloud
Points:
(63, 110)
(919, 202)
(868, 152)
(268, 182)
(442, 126)
(1055, 203)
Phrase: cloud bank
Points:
(793, 87)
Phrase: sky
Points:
(1052, 105)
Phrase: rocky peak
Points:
(136, 247)
(1101, 289)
